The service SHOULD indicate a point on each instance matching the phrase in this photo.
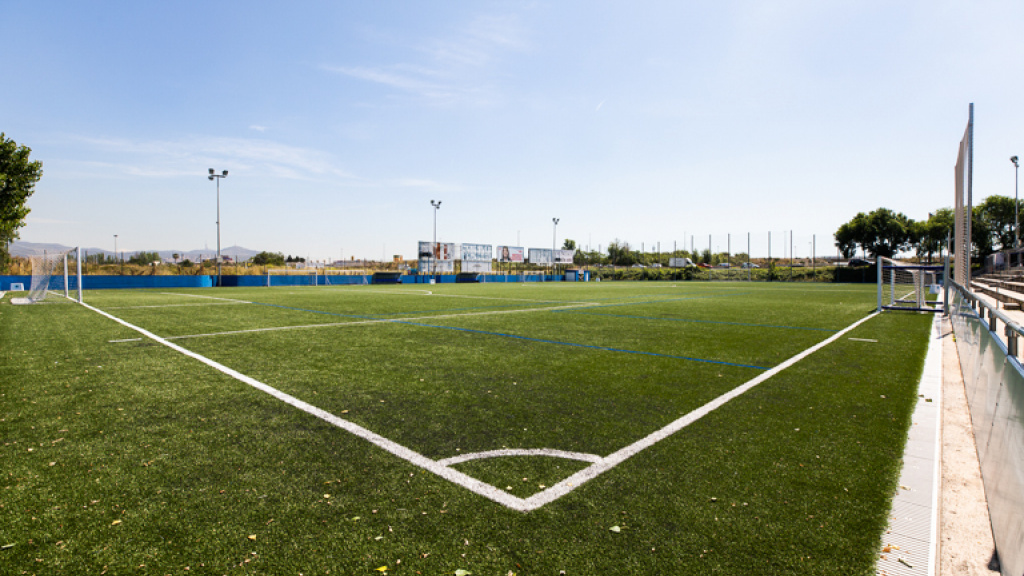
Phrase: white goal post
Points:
(52, 274)
(904, 286)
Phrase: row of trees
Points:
(886, 233)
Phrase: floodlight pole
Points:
(115, 248)
(554, 234)
(1016, 207)
(433, 248)
(218, 177)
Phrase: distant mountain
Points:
(26, 249)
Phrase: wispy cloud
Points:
(258, 128)
(164, 158)
(458, 68)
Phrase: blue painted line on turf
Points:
(703, 321)
(575, 345)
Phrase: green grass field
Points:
(124, 455)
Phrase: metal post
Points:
(554, 234)
(66, 293)
(217, 177)
(1016, 206)
(946, 280)
(433, 247)
(78, 271)
(879, 266)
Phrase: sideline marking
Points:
(862, 339)
(125, 340)
(175, 305)
(486, 490)
(207, 297)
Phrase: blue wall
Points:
(106, 282)
(112, 282)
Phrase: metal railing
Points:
(994, 383)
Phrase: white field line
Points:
(402, 452)
(509, 299)
(206, 297)
(374, 321)
(176, 305)
(486, 490)
(520, 452)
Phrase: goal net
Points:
(54, 273)
(348, 276)
(903, 286)
(292, 277)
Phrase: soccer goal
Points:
(54, 273)
(903, 286)
(292, 277)
(332, 277)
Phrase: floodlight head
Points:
(1014, 160)
(211, 170)
(210, 177)
(225, 173)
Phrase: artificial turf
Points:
(128, 457)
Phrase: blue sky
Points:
(644, 122)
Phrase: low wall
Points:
(994, 382)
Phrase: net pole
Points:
(880, 284)
(970, 188)
(945, 280)
(66, 275)
(892, 287)
(78, 272)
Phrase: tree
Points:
(846, 238)
(930, 236)
(144, 258)
(18, 177)
(880, 233)
(268, 259)
(569, 244)
(997, 212)
(620, 254)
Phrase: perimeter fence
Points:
(994, 382)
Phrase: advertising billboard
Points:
(476, 266)
(441, 251)
(540, 255)
(513, 254)
(564, 256)
(476, 253)
(428, 266)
